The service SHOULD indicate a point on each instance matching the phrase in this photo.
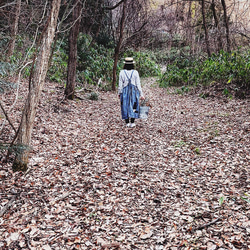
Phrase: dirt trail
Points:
(179, 180)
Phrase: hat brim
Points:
(126, 62)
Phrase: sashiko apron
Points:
(130, 100)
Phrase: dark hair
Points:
(128, 66)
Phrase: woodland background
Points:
(71, 175)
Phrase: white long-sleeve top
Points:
(135, 80)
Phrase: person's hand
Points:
(142, 98)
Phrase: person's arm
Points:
(120, 87)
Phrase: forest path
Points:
(179, 179)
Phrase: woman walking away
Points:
(129, 92)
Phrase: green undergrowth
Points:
(94, 62)
(145, 62)
(227, 68)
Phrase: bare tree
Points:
(132, 27)
(74, 32)
(217, 25)
(205, 27)
(226, 25)
(118, 46)
(35, 88)
(14, 30)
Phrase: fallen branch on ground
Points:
(8, 205)
(206, 225)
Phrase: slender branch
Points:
(65, 16)
(6, 116)
(8, 4)
(113, 7)
(44, 11)
(136, 32)
(17, 92)
(18, 82)
(242, 34)
(62, 31)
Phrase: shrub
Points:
(95, 62)
(183, 71)
(145, 63)
(59, 63)
(224, 68)
(169, 56)
(6, 69)
(93, 96)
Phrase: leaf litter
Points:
(178, 180)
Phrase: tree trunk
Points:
(35, 88)
(74, 32)
(226, 25)
(189, 25)
(118, 46)
(205, 27)
(100, 19)
(14, 30)
(217, 25)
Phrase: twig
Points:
(27, 240)
(8, 205)
(80, 90)
(29, 169)
(113, 7)
(59, 198)
(71, 25)
(206, 225)
(6, 5)
(78, 97)
(110, 245)
(55, 237)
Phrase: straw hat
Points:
(129, 60)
